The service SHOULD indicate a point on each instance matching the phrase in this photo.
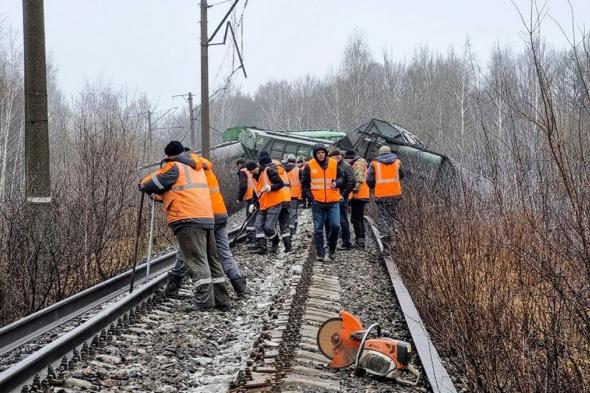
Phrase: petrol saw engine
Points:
(345, 342)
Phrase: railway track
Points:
(87, 333)
(266, 345)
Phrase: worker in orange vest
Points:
(182, 185)
(345, 191)
(359, 197)
(227, 260)
(321, 181)
(384, 178)
(247, 193)
(271, 205)
(294, 173)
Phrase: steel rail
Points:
(17, 376)
(34, 325)
(436, 373)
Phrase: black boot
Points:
(287, 244)
(173, 285)
(239, 285)
(261, 249)
(275, 241)
(360, 243)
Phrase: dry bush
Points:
(501, 274)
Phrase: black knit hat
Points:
(173, 148)
(263, 154)
(264, 161)
(251, 165)
(349, 154)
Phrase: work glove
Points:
(250, 209)
(266, 188)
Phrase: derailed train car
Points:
(416, 158)
(366, 140)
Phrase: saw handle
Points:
(362, 346)
(407, 382)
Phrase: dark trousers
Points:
(284, 223)
(250, 225)
(200, 258)
(322, 213)
(344, 225)
(266, 222)
(293, 207)
(388, 213)
(357, 217)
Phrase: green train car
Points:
(276, 143)
(366, 140)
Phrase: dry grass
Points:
(481, 282)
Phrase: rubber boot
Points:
(173, 285)
(239, 285)
(275, 241)
(360, 243)
(261, 249)
(287, 244)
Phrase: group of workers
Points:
(333, 183)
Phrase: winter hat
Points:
(263, 154)
(173, 148)
(264, 161)
(291, 158)
(334, 151)
(384, 149)
(349, 154)
(251, 165)
(300, 160)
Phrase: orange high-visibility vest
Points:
(363, 192)
(286, 190)
(217, 202)
(321, 181)
(268, 199)
(189, 197)
(387, 182)
(251, 185)
(295, 183)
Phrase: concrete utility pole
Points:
(205, 145)
(191, 117)
(38, 183)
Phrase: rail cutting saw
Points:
(345, 342)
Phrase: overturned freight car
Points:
(366, 140)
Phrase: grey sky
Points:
(152, 46)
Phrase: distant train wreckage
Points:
(365, 140)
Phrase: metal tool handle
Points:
(398, 378)
(362, 346)
(137, 234)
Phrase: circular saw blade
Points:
(328, 337)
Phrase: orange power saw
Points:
(345, 342)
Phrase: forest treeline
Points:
(501, 277)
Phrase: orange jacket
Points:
(387, 180)
(286, 190)
(363, 192)
(295, 182)
(184, 192)
(217, 202)
(322, 180)
(268, 199)
(251, 185)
